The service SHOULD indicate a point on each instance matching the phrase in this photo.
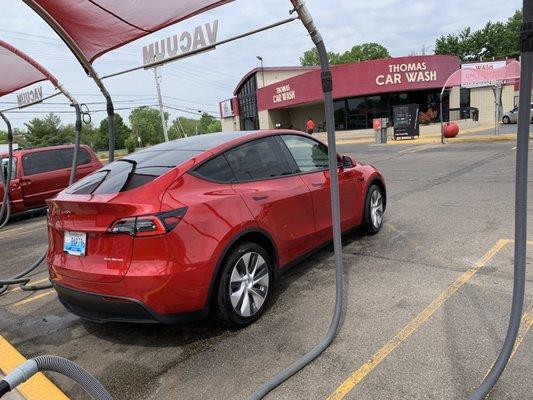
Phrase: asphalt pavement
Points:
(427, 301)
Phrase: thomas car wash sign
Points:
(202, 36)
(413, 72)
(284, 94)
(32, 96)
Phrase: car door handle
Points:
(25, 182)
(317, 184)
(259, 198)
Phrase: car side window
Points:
(43, 161)
(68, 154)
(260, 159)
(309, 155)
(216, 169)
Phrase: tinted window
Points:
(51, 160)
(131, 172)
(308, 154)
(259, 159)
(43, 161)
(216, 169)
(68, 154)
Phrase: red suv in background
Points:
(41, 173)
(206, 222)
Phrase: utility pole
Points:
(161, 109)
(262, 69)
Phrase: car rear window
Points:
(131, 172)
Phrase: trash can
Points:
(380, 129)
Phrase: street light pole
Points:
(262, 69)
(160, 99)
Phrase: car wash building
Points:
(289, 96)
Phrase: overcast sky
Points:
(199, 83)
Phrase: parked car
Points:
(512, 116)
(41, 173)
(202, 223)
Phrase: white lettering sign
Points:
(409, 72)
(30, 97)
(283, 93)
(471, 76)
(202, 36)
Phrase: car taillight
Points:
(149, 225)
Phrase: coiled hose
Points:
(54, 364)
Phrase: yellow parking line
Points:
(352, 381)
(34, 298)
(525, 326)
(20, 232)
(18, 289)
(39, 387)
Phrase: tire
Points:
(241, 298)
(373, 217)
(506, 120)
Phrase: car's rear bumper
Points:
(104, 308)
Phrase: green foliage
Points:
(3, 137)
(206, 124)
(48, 131)
(101, 141)
(362, 52)
(146, 123)
(495, 40)
(130, 143)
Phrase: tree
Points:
(209, 124)
(48, 131)
(362, 52)
(146, 123)
(181, 125)
(494, 40)
(101, 140)
(3, 137)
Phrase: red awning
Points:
(18, 70)
(98, 26)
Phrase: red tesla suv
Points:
(202, 223)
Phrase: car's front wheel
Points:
(374, 210)
(506, 120)
(245, 285)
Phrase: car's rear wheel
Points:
(374, 210)
(245, 286)
(506, 120)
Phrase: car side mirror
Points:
(347, 162)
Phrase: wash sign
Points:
(30, 97)
(202, 36)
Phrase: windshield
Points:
(131, 172)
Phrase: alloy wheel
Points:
(249, 283)
(376, 208)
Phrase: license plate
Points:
(75, 243)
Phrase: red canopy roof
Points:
(98, 26)
(18, 70)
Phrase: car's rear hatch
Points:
(126, 188)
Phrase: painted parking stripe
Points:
(354, 379)
(34, 298)
(18, 289)
(22, 231)
(39, 387)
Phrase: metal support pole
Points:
(77, 142)
(327, 87)
(6, 181)
(160, 100)
(520, 249)
(111, 126)
(442, 117)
